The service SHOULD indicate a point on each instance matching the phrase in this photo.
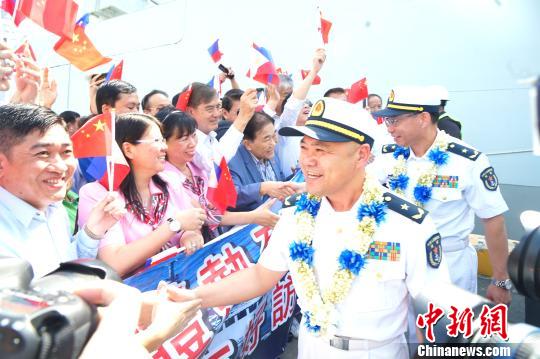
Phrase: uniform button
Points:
(444, 198)
(379, 276)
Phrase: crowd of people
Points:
(387, 205)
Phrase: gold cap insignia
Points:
(317, 109)
(391, 96)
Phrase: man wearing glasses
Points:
(450, 179)
(204, 106)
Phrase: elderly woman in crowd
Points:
(181, 169)
(157, 217)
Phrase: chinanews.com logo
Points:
(491, 321)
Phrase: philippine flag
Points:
(214, 52)
(263, 69)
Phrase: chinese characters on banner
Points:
(493, 321)
(257, 328)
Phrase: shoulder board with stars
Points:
(291, 200)
(463, 151)
(390, 148)
(404, 207)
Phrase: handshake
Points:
(281, 190)
(125, 309)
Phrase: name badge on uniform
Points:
(384, 251)
(446, 181)
(434, 251)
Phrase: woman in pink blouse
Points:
(181, 168)
(157, 217)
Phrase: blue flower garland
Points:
(421, 192)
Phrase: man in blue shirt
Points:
(36, 166)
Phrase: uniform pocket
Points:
(446, 194)
(380, 285)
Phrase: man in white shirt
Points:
(354, 250)
(204, 106)
(36, 166)
(451, 179)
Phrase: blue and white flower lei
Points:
(320, 308)
(398, 180)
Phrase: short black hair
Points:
(69, 116)
(146, 98)
(371, 95)
(229, 98)
(85, 119)
(200, 93)
(257, 121)
(178, 123)
(334, 91)
(110, 91)
(164, 112)
(19, 120)
(434, 117)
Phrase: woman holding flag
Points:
(157, 217)
(179, 132)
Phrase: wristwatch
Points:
(504, 284)
(174, 225)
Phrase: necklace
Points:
(398, 180)
(320, 308)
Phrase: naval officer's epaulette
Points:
(390, 148)
(291, 200)
(404, 207)
(463, 151)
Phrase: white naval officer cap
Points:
(441, 92)
(410, 99)
(333, 120)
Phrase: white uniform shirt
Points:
(459, 191)
(43, 238)
(376, 307)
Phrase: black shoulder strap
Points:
(463, 151)
(404, 207)
(390, 148)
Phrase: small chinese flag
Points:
(8, 6)
(93, 139)
(316, 80)
(115, 73)
(325, 29)
(222, 194)
(56, 16)
(80, 51)
(25, 50)
(183, 99)
(358, 91)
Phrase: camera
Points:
(225, 71)
(42, 318)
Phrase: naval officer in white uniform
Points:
(449, 178)
(355, 250)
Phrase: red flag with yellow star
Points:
(80, 51)
(94, 138)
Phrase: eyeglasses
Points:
(211, 109)
(394, 121)
(152, 140)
